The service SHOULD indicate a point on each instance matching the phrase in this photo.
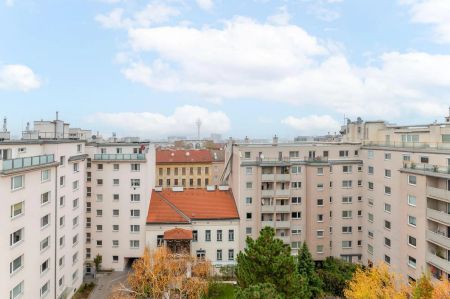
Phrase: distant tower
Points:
(198, 123)
(5, 125)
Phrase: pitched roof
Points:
(182, 156)
(168, 206)
(178, 234)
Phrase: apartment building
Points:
(185, 168)
(119, 179)
(381, 193)
(42, 185)
(201, 222)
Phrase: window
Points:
(99, 182)
(412, 220)
(231, 235)
(75, 258)
(115, 258)
(412, 200)
(387, 190)
(62, 201)
(45, 288)
(115, 227)
(320, 233)
(135, 167)
(296, 169)
(320, 202)
(45, 198)
(115, 196)
(387, 259)
(135, 213)
(370, 185)
(370, 249)
(346, 169)
(75, 275)
(248, 230)
(61, 281)
(387, 224)
(135, 197)
(424, 160)
(75, 203)
(411, 262)
(296, 200)
(99, 213)
(248, 216)
(387, 242)
(219, 235)
(135, 182)
(45, 221)
(319, 170)
(387, 207)
(45, 175)
(343, 153)
(248, 170)
(75, 239)
(296, 231)
(319, 248)
(45, 266)
(347, 199)
(296, 215)
(294, 154)
(412, 179)
(387, 173)
(17, 182)
(412, 241)
(75, 221)
(346, 184)
(135, 228)
(320, 186)
(370, 217)
(230, 254)
(115, 212)
(370, 234)
(319, 217)
(387, 156)
(410, 138)
(208, 235)
(194, 236)
(370, 154)
(79, 147)
(360, 228)
(249, 185)
(296, 185)
(406, 158)
(346, 229)
(346, 244)
(17, 291)
(16, 264)
(116, 182)
(219, 254)
(247, 155)
(347, 214)
(134, 243)
(62, 241)
(17, 209)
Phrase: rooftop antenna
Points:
(198, 123)
(5, 126)
(28, 126)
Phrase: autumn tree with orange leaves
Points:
(160, 274)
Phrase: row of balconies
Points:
(439, 216)
(275, 177)
(275, 192)
(275, 208)
(438, 261)
(438, 193)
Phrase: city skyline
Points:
(153, 68)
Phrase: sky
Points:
(243, 67)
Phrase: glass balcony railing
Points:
(119, 157)
(19, 163)
(400, 144)
(427, 167)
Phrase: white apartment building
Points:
(382, 193)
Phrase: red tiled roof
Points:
(178, 234)
(168, 206)
(182, 156)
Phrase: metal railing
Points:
(119, 157)
(400, 144)
(427, 167)
(19, 163)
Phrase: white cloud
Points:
(313, 124)
(205, 4)
(153, 13)
(18, 77)
(282, 17)
(433, 12)
(181, 122)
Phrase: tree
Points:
(268, 260)
(160, 274)
(306, 269)
(441, 290)
(258, 291)
(375, 283)
(335, 273)
(98, 262)
(423, 288)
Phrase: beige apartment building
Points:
(379, 194)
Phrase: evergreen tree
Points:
(335, 273)
(258, 291)
(306, 269)
(268, 260)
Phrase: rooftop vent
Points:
(177, 189)
(224, 188)
(210, 188)
(158, 189)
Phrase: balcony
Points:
(283, 208)
(283, 224)
(438, 193)
(267, 193)
(283, 177)
(285, 239)
(268, 177)
(119, 157)
(282, 192)
(18, 164)
(427, 169)
(399, 144)
(439, 216)
(439, 239)
(267, 223)
(268, 208)
(439, 262)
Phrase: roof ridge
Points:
(174, 207)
